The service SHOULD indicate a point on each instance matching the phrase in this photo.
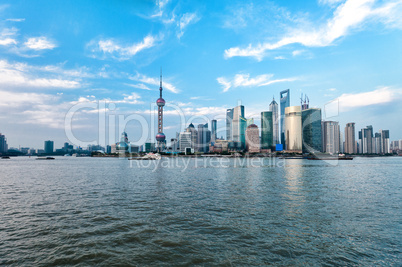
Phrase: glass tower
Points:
(266, 130)
(285, 102)
(312, 131)
(275, 120)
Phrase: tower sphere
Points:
(160, 102)
(160, 137)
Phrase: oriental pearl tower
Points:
(160, 137)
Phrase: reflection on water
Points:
(96, 211)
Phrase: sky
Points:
(84, 71)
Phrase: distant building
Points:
(331, 137)
(229, 121)
(253, 138)
(293, 129)
(350, 147)
(204, 137)
(185, 141)
(149, 147)
(219, 146)
(312, 131)
(194, 136)
(108, 149)
(238, 124)
(3, 143)
(266, 130)
(49, 147)
(213, 130)
(385, 145)
(284, 102)
(377, 142)
(367, 140)
(275, 121)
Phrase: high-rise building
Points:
(229, 122)
(350, 138)
(238, 124)
(312, 131)
(377, 142)
(204, 138)
(160, 136)
(3, 143)
(360, 143)
(266, 130)
(284, 102)
(293, 128)
(331, 137)
(384, 141)
(275, 121)
(367, 140)
(194, 136)
(213, 130)
(253, 139)
(49, 147)
(185, 141)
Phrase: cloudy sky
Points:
(62, 61)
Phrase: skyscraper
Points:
(49, 147)
(275, 121)
(312, 131)
(293, 128)
(384, 141)
(367, 140)
(350, 138)
(229, 121)
(213, 130)
(3, 143)
(204, 137)
(160, 137)
(194, 136)
(185, 141)
(266, 130)
(331, 137)
(252, 139)
(238, 125)
(285, 102)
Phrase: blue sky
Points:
(214, 54)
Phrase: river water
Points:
(110, 211)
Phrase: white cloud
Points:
(122, 52)
(15, 20)
(347, 16)
(297, 52)
(379, 96)
(244, 80)
(18, 74)
(139, 86)
(153, 81)
(7, 36)
(185, 20)
(39, 43)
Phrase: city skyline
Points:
(52, 56)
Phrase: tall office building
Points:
(284, 102)
(377, 142)
(213, 130)
(3, 143)
(266, 130)
(350, 138)
(194, 136)
(252, 139)
(293, 129)
(229, 121)
(331, 137)
(49, 146)
(312, 131)
(385, 141)
(239, 125)
(204, 137)
(275, 121)
(367, 140)
(185, 141)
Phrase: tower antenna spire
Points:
(160, 88)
